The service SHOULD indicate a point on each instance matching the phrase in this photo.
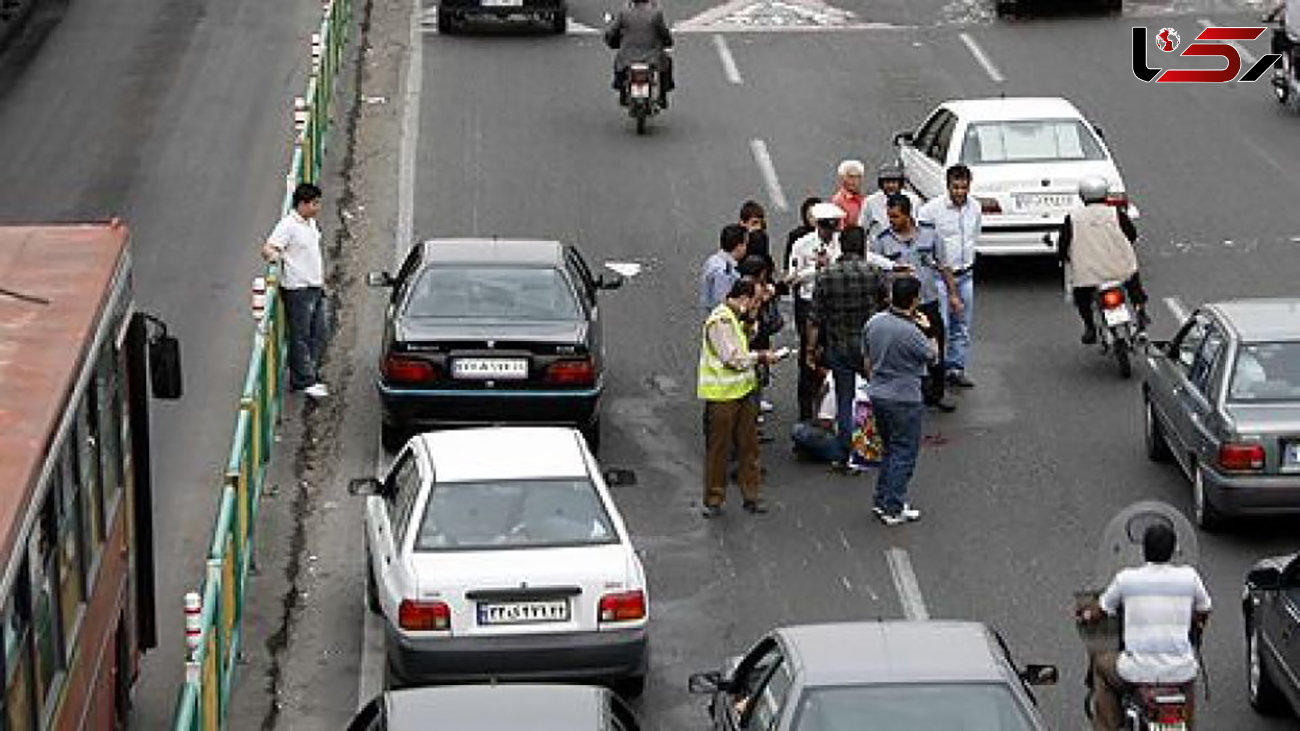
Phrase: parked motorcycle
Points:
(1145, 707)
(1120, 327)
(641, 90)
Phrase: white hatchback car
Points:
(497, 553)
(1026, 156)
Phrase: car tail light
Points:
(1119, 200)
(622, 607)
(572, 373)
(421, 616)
(1112, 298)
(989, 205)
(399, 369)
(1241, 457)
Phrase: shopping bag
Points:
(866, 446)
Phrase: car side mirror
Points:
(706, 683)
(609, 281)
(1264, 577)
(616, 477)
(1040, 674)
(380, 279)
(365, 486)
(903, 138)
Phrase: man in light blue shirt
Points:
(721, 270)
(956, 218)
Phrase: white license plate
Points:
(1117, 316)
(640, 91)
(503, 3)
(1043, 201)
(555, 610)
(490, 368)
(1291, 455)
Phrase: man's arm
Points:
(1126, 225)
(661, 29)
(273, 248)
(722, 340)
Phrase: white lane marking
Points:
(909, 590)
(847, 586)
(765, 166)
(728, 61)
(575, 28)
(1175, 306)
(1246, 56)
(982, 58)
(410, 135)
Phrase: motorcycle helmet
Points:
(1093, 189)
(889, 171)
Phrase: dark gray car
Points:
(1223, 400)
(875, 675)
(506, 707)
(1271, 604)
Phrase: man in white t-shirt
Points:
(295, 244)
(1163, 605)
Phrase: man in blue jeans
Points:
(897, 354)
(295, 244)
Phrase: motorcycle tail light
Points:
(622, 607)
(1241, 457)
(1112, 298)
(572, 373)
(1170, 713)
(989, 205)
(640, 75)
(403, 370)
(413, 614)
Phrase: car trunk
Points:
(476, 354)
(1276, 425)
(1034, 193)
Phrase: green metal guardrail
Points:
(214, 615)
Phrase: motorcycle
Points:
(1144, 707)
(641, 91)
(1286, 85)
(1121, 325)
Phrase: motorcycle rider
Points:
(1096, 240)
(1165, 607)
(640, 34)
(1286, 39)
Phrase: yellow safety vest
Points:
(716, 381)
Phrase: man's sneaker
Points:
(317, 391)
(958, 378)
(756, 507)
(907, 513)
(1089, 336)
(765, 406)
(946, 407)
(891, 520)
(711, 511)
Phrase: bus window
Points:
(108, 394)
(71, 570)
(45, 623)
(17, 655)
(88, 479)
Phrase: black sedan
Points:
(491, 331)
(503, 707)
(1271, 602)
(875, 675)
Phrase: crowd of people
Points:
(883, 299)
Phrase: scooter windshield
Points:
(1121, 543)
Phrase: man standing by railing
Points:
(295, 244)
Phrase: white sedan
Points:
(497, 553)
(1026, 156)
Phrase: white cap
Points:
(827, 212)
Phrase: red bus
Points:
(76, 539)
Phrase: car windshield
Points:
(492, 293)
(1266, 372)
(514, 514)
(1033, 140)
(919, 707)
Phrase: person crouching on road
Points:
(898, 351)
(726, 381)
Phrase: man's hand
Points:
(955, 303)
(921, 320)
(270, 253)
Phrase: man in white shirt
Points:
(295, 244)
(1163, 605)
(956, 217)
(875, 211)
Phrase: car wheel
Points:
(1157, 447)
(1005, 8)
(591, 433)
(393, 437)
(446, 22)
(1265, 696)
(1208, 518)
(630, 688)
(372, 587)
(559, 22)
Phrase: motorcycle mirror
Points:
(1040, 674)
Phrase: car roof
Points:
(503, 707)
(893, 652)
(525, 252)
(1257, 320)
(1012, 108)
(505, 453)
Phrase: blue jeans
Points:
(305, 308)
(958, 326)
(899, 424)
(844, 365)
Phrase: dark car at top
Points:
(491, 331)
(1271, 605)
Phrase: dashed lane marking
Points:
(982, 58)
(765, 166)
(775, 16)
(728, 61)
(1176, 306)
(909, 589)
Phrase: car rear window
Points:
(1266, 372)
(513, 514)
(1034, 140)
(492, 293)
(915, 707)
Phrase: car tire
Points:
(1208, 518)
(1005, 8)
(1157, 447)
(591, 433)
(630, 688)
(1265, 696)
(393, 437)
(446, 22)
(372, 588)
(559, 21)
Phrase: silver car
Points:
(1223, 400)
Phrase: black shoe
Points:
(1089, 336)
(711, 511)
(958, 378)
(663, 102)
(946, 407)
(756, 507)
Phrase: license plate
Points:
(640, 91)
(1291, 455)
(503, 3)
(531, 612)
(1041, 201)
(489, 368)
(1117, 316)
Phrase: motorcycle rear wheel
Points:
(641, 118)
(1122, 348)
